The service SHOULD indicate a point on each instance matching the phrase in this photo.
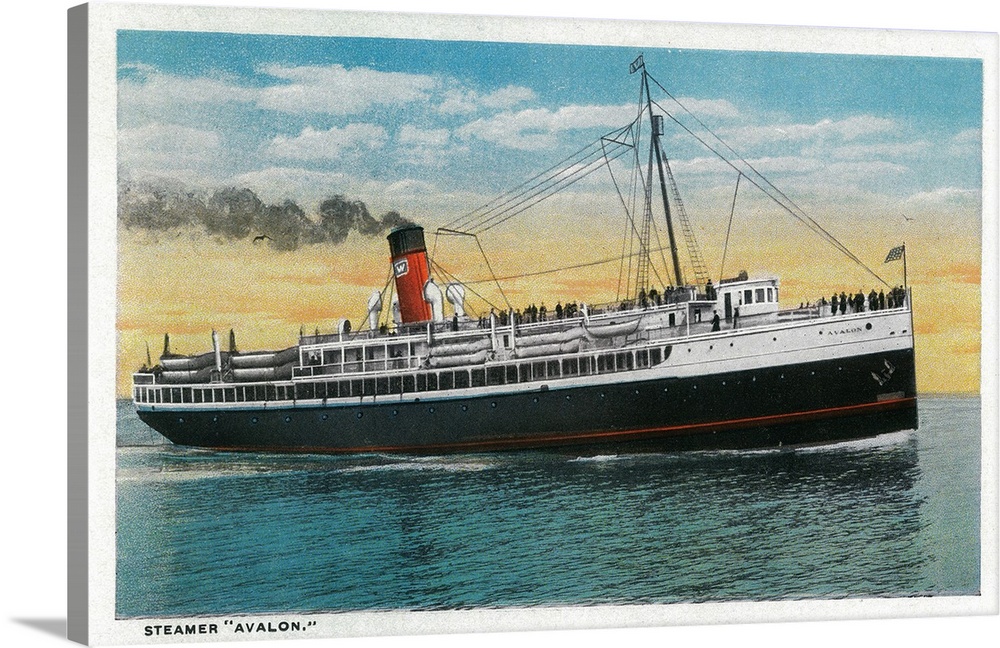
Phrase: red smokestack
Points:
(409, 265)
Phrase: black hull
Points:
(794, 404)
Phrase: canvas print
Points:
(442, 324)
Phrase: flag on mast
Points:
(895, 254)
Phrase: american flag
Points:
(894, 254)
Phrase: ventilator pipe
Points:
(218, 352)
(455, 292)
(432, 295)
(374, 309)
(397, 315)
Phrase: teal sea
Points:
(207, 533)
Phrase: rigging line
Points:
(811, 224)
(559, 167)
(618, 192)
(732, 211)
(554, 184)
(544, 189)
(449, 275)
(492, 274)
(539, 273)
(444, 230)
(822, 232)
(561, 164)
(567, 183)
(547, 184)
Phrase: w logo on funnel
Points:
(400, 267)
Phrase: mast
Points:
(656, 130)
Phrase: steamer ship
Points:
(695, 366)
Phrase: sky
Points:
(878, 149)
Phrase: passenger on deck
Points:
(736, 316)
(833, 304)
(715, 321)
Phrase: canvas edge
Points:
(88, 484)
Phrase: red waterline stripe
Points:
(673, 430)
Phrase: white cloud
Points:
(845, 129)
(337, 90)
(313, 144)
(156, 95)
(507, 97)
(536, 128)
(709, 107)
(944, 197)
(426, 137)
(167, 148)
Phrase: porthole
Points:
(255, 420)
(215, 419)
(774, 339)
(535, 399)
(180, 420)
(494, 403)
(465, 408)
(868, 326)
(360, 414)
(395, 412)
(429, 409)
(288, 419)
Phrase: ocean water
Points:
(207, 533)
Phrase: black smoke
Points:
(233, 214)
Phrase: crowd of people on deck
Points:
(858, 303)
(531, 314)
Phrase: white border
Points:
(102, 248)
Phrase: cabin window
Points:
(642, 358)
(156, 395)
(186, 394)
(552, 368)
(511, 371)
(770, 294)
(432, 381)
(421, 382)
(382, 386)
(231, 395)
(314, 357)
(305, 390)
(538, 370)
(217, 395)
(395, 384)
(672, 319)
(759, 296)
(570, 367)
(368, 387)
(494, 375)
(748, 296)
(654, 356)
(409, 384)
(586, 365)
(525, 372)
(175, 395)
(446, 380)
(478, 378)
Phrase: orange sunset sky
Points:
(878, 149)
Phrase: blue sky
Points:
(430, 127)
